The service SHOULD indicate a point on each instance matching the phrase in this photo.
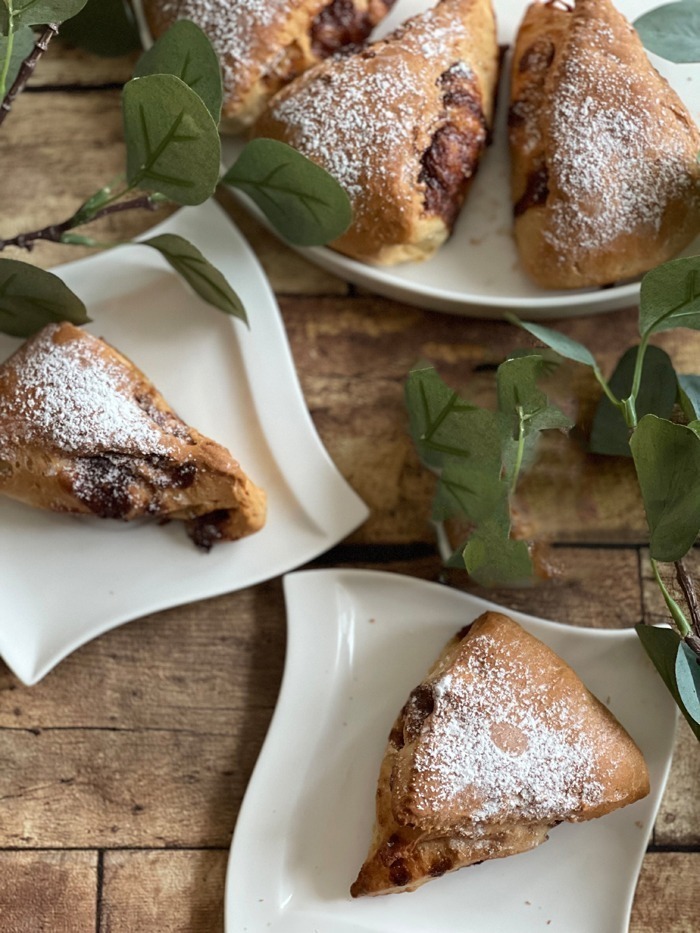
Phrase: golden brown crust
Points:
(264, 44)
(497, 745)
(604, 176)
(83, 430)
(401, 125)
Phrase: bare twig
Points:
(27, 68)
(691, 597)
(54, 232)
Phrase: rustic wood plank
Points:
(666, 898)
(154, 788)
(54, 892)
(199, 667)
(47, 175)
(66, 66)
(353, 357)
(177, 892)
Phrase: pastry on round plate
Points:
(83, 430)
(263, 44)
(497, 745)
(401, 125)
(605, 177)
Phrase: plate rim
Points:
(331, 526)
(335, 577)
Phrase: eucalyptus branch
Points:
(691, 597)
(54, 233)
(27, 68)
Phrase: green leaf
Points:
(22, 44)
(36, 12)
(657, 396)
(103, 27)
(523, 410)
(172, 143)
(689, 391)
(444, 425)
(695, 426)
(199, 273)
(672, 31)
(186, 52)
(564, 346)
(301, 200)
(470, 489)
(670, 297)
(667, 460)
(493, 558)
(688, 680)
(661, 644)
(31, 297)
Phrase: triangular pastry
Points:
(605, 177)
(497, 745)
(263, 44)
(401, 124)
(83, 430)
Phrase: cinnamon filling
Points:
(451, 159)
(536, 192)
(341, 24)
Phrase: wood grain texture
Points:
(163, 892)
(48, 892)
(666, 899)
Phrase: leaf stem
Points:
(677, 613)
(6, 63)
(54, 233)
(520, 451)
(606, 389)
(27, 68)
(691, 597)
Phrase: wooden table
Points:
(123, 771)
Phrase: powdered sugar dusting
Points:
(359, 116)
(489, 737)
(233, 27)
(66, 395)
(620, 153)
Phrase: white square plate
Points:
(66, 579)
(358, 643)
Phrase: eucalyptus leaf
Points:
(23, 42)
(469, 489)
(31, 297)
(301, 200)
(206, 280)
(103, 27)
(694, 426)
(657, 395)
(689, 392)
(444, 425)
(524, 409)
(172, 143)
(16, 13)
(564, 346)
(670, 296)
(185, 51)
(672, 31)
(661, 644)
(493, 558)
(667, 460)
(688, 680)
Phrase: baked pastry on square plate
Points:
(263, 44)
(605, 177)
(497, 745)
(82, 430)
(401, 124)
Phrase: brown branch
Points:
(27, 68)
(54, 232)
(691, 597)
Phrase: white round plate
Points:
(477, 273)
